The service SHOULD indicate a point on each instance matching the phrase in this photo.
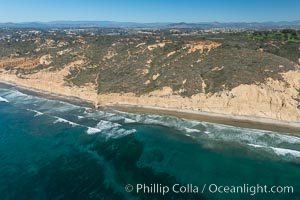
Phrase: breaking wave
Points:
(61, 120)
(103, 125)
(128, 121)
(3, 100)
(252, 136)
(152, 119)
(92, 130)
(37, 113)
(279, 151)
(191, 130)
(110, 129)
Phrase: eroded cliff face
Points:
(273, 99)
(53, 81)
(20, 62)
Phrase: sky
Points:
(150, 10)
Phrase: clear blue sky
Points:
(150, 10)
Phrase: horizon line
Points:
(52, 21)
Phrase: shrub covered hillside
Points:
(141, 61)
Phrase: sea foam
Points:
(37, 113)
(65, 121)
(3, 100)
(102, 125)
(285, 152)
(118, 133)
(279, 151)
(92, 130)
(191, 130)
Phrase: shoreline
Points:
(231, 120)
(226, 119)
(49, 95)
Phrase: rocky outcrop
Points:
(202, 45)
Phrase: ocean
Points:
(50, 149)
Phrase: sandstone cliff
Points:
(273, 99)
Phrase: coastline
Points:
(49, 95)
(226, 119)
(231, 120)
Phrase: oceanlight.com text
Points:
(156, 188)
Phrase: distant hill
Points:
(247, 25)
(80, 24)
(113, 24)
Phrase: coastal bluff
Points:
(237, 75)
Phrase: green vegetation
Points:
(282, 35)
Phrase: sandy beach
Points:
(232, 120)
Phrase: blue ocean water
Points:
(51, 149)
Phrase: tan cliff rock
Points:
(273, 99)
(202, 45)
(20, 62)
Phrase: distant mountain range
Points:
(113, 24)
(80, 24)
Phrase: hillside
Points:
(230, 72)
